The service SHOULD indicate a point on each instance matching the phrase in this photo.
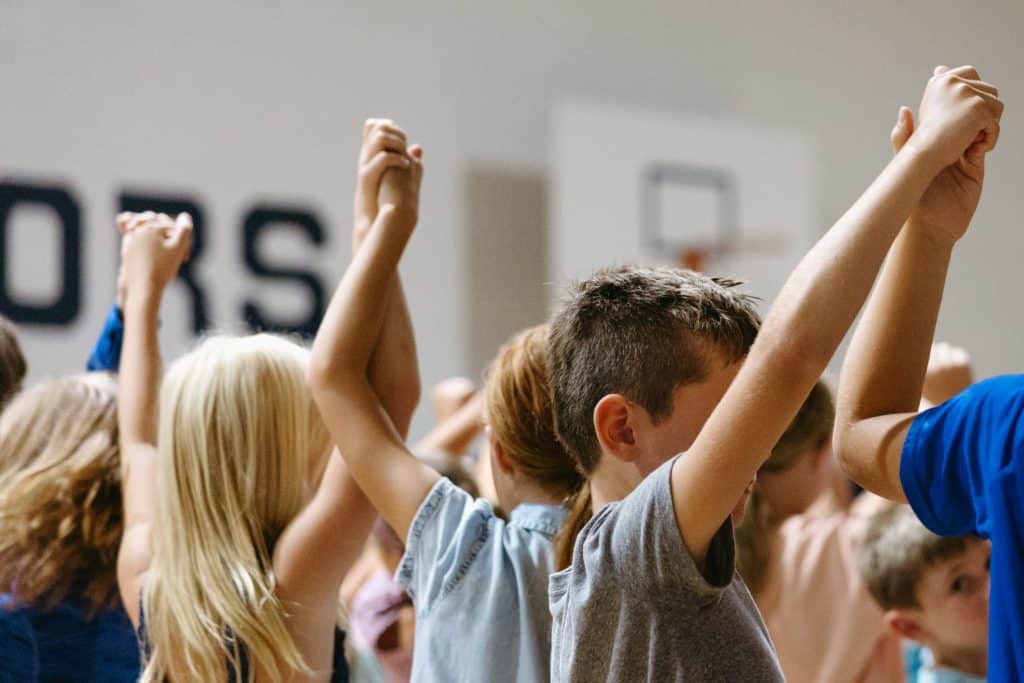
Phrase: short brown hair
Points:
(12, 361)
(60, 493)
(896, 551)
(808, 433)
(519, 412)
(639, 332)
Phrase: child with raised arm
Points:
(478, 583)
(639, 362)
(960, 465)
(240, 523)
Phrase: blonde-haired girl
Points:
(60, 525)
(478, 582)
(240, 523)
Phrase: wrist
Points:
(931, 235)
(395, 214)
(144, 294)
(923, 155)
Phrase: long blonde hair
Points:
(60, 493)
(241, 447)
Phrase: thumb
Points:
(903, 129)
(939, 70)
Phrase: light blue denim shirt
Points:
(480, 588)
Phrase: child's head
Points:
(242, 448)
(934, 589)
(793, 477)
(60, 493)
(627, 344)
(639, 359)
(525, 452)
(12, 361)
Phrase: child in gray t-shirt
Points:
(647, 363)
(634, 586)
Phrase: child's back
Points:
(634, 603)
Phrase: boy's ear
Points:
(614, 423)
(903, 624)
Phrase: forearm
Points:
(454, 435)
(885, 366)
(394, 370)
(801, 333)
(140, 369)
(354, 319)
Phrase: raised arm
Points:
(314, 555)
(815, 308)
(394, 369)
(106, 353)
(152, 252)
(884, 371)
(373, 448)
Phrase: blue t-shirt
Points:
(962, 470)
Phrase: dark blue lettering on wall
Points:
(64, 309)
(142, 201)
(260, 221)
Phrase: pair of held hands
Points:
(155, 245)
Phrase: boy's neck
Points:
(972, 662)
(612, 480)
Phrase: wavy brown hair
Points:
(60, 493)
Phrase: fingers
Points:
(903, 129)
(966, 72)
(372, 171)
(381, 134)
(982, 86)
(123, 220)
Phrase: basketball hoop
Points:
(697, 256)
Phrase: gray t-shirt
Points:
(634, 607)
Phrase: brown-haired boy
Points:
(934, 590)
(650, 593)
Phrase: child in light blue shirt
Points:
(478, 583)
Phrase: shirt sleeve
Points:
(445, 537)
(647, 550)
(106, 354)
(952, 451)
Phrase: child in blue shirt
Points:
(960, 465)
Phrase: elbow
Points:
(323, 375)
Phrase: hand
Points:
(949, 373)
(123, 221)
(958, 120)
(384, 147)
(948, 205)
(400, 190)
(153, 249)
